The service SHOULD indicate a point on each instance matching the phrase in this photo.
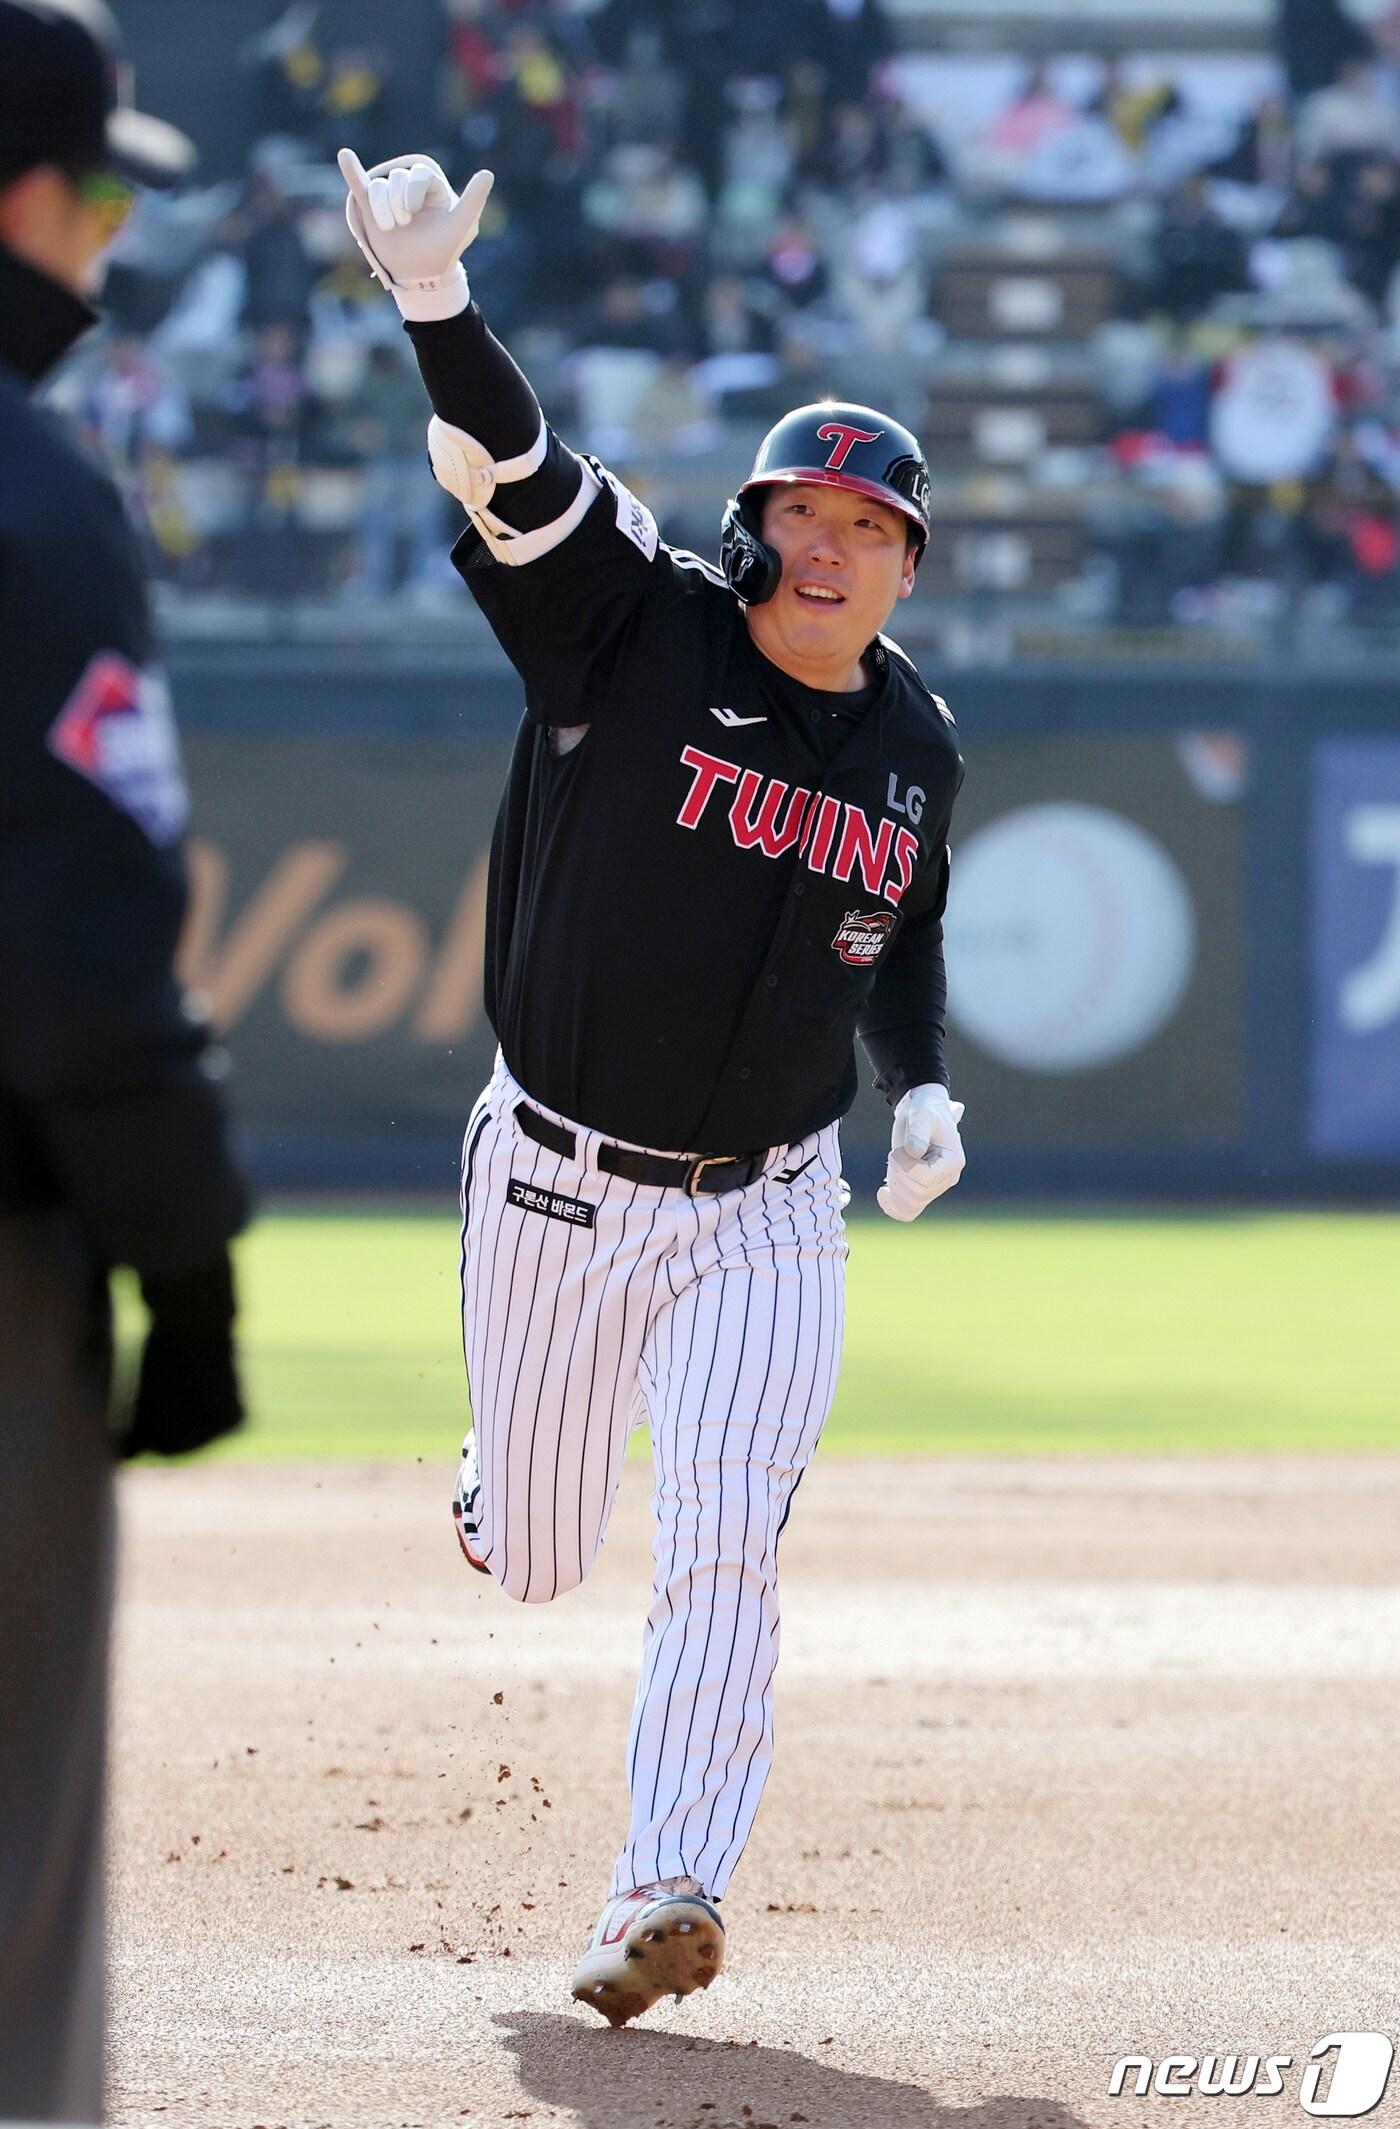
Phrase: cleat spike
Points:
(671, 1948)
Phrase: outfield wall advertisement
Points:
(1354, 1106)
(339, 889)
(1094, 942)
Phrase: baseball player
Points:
(721, 853)
(113, 1134)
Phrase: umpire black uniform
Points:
(112, 1132)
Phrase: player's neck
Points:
(832, 676)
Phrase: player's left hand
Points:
(413, 229)
(926, 1155)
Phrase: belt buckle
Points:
(712, 1160)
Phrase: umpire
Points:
(113, 1140)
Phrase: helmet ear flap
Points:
(751, 568)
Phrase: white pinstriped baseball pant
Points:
(719, 1320)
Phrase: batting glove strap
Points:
(427, 302)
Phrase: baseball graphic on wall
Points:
(1071, 937)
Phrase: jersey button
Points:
(744, 1072)
(772, 982)
(815, 715)
(799, 887)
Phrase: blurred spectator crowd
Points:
(1151, 302)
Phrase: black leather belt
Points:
(714, 1173)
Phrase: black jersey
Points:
(706, 878)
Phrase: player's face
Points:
(846, 562)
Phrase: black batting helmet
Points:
(832, 445)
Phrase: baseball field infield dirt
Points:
(1075, 1761)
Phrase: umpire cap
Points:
(831, 445)
(65, 97)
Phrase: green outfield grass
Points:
(966, 1334)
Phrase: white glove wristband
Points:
(426, 301)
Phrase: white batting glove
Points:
(413, 228)
(926, 1155)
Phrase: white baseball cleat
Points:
(658, 1940)
(466, 1507)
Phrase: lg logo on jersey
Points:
(773, 817)
(912, 804)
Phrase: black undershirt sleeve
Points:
(476, 385)
(905, 1020)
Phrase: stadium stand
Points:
(1130, 269)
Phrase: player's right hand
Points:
(413, 228)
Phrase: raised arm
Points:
(592, 548)
(489, 443)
